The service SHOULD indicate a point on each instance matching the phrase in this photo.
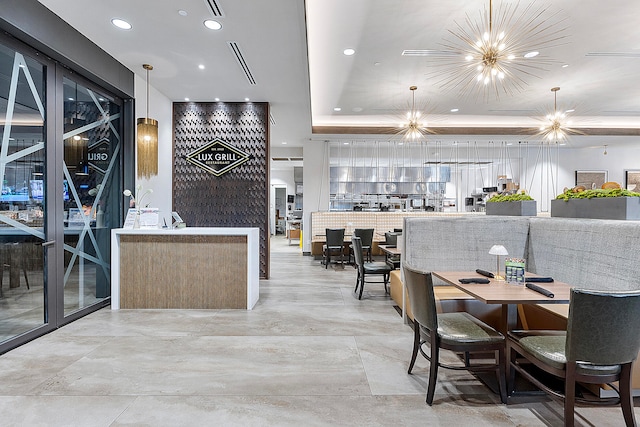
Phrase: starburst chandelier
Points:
(496, 54)
(555, 126)
(415, 127)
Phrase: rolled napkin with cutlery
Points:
(474, 280)
(484, 273)
(539, 279)
(540, 290)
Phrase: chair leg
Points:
(512, 371)
(502, 375)
(626, 398)
(328, 260)
(361, 286)
(569, 393)
(433, 368)
(416, 344)
(357, 282)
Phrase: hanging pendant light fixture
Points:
(497, 54)
(147, 144)
(414, 128)
(555, 127)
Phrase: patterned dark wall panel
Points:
(238, 198)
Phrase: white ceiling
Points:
(371, 87)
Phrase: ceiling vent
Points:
(272, 120)
(427, 52)
(614, 54)
(214, 8)
(243, 64)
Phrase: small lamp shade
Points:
(498, 250)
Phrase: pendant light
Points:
(147, 144)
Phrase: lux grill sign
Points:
(217, 157)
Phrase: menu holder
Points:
(540, 290)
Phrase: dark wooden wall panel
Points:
(240, 197)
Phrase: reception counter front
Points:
(187, 268)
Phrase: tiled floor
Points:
(309, 354)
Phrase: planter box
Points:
(600, 208)
(519, 208)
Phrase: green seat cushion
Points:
(551, 350)
(463, 328)
(376, 268)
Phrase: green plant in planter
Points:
(597, 193)
(518, 197)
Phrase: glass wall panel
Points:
(91, 192)
(22, 200)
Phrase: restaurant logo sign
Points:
(99, 156)
(218, 157)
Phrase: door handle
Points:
(49, 243)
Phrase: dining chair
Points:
(391, 239)
(457, 332)
(333, 244)
(366, 237)
(598, 347)
(368, 268)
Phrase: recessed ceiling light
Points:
(531, 54)
(337, 109)
(284, 142)
(121, 23)
(565, 65)
(216, 99)
(212, 25)
(246, 99)
(345, 143)
(570, 111)
(201, 66)
(509, 143)
(357, 109)
(186, 99)
(454, 110)
(349, 51)
(182, 12)
(70, 99)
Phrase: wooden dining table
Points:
(509, 295)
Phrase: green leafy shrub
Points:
(590, 194)
(510, 197)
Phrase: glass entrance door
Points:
(23, 206)
(60, 169)
(91, 192)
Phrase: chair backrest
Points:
(603, 327)
(391, 238)
(356, 244)
(335, 236)
(423, 303)
(365, 235)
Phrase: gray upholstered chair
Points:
(333, 244)
(458, 332)
(368, 268)
(366, 237)
(598, 347)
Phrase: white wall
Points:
(316, 185)
(160, 108)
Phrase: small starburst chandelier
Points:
(555, 127)
(500, 52)
(414, 128)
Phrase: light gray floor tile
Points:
(309, 354)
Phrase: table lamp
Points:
(498, 250)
